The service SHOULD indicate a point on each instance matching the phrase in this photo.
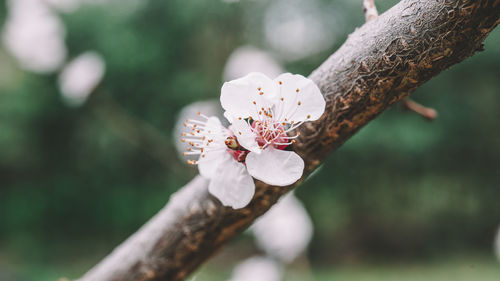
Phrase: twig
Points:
(426, 112)
(370, 10)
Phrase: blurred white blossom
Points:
(70, 6)
(257, 269)
(80, 77)
(285, 230)
(296, 29)
(34, 35)
(246, 59)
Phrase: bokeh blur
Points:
(90, 91)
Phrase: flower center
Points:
(271, 132)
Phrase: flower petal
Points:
(246, 137)
(213, 145)
(228, 116)
(208, 165)
(232, 184)
(275, 167)
(299, 98)
(245, 96)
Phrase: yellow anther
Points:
(299, 103)
(297, 90)
(308, 116)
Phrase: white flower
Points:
(229, 180)
(262, 112)
(284, 232)
(297, 29)
(246, 59)
(257, 269)
(34, 35)
(80, 77)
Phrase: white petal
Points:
(214, 126)
(238, 96)
(228, 116)
(214, 151)
(275, 167)
(208, 165)
(232, 184)
(305, 104)
(245, 136)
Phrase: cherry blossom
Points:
(284, 232)
(257, 268)
(229, 180)
(262, 113)
(80, 77)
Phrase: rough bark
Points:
(379, 64)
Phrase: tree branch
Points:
(380, 63)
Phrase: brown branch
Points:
(379, 64)
(370, 10)
(371, 13)
(426, 112)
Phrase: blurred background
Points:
(90, 91)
